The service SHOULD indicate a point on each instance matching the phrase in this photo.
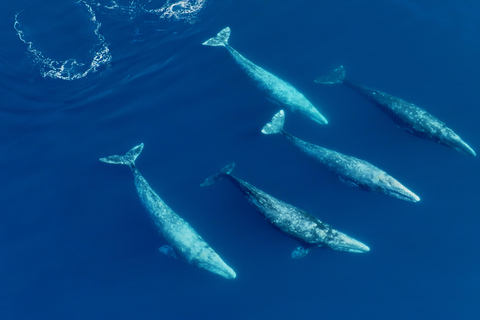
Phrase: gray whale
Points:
(349, 169)
(407, 115)
(290, 220)
(185, 243)
(278, 90)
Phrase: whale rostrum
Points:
(407, 115)
(278, 90)
(290, 220)
(349, 169)
(184, 242)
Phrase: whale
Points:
(351, 170)
(183, 241)
(406, 115)
(279, 91)
(296, 223)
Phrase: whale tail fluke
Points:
(336, 76)
(128, 159)
(220, 40)
(276, 125)
(218, 176)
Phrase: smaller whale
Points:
(278, 90)
(349, 169)
(290, 220)
(407, 115)
(184, 242)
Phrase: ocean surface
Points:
(81, 80)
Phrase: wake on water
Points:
(99, 55)
(69, 69)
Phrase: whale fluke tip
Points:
(128, 159)
(220, 40)
(217, 176)
(336, 76)
(276, 125)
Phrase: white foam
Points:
(186, 10)
(69, 69)
(182, 10)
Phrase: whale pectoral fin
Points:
(300, 252)
(168, 251)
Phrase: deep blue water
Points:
(90, 80)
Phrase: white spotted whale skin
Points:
(349, 169)
(407, 115)
(290, 220)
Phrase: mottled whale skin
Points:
(278, 90)
(407, 115)
(349, 169)
(185, 243)
(290, 220)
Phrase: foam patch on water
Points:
(182, 10)
(186, 10)
(69, 69)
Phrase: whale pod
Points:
(349, 169)
(184, 242)
(278, 90)
(290, 220)
(407, 115)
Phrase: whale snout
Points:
(406, 195)
(357, 247)
(321, 119)
(409, 196)
(216, 265)
(464, 148)
(395, 189)
(360, 248)
(348, 244)
(222, 270)
(318, 117)
(227, 273)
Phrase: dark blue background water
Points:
(76, 242)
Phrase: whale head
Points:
(388, 185)
(341, 242)
(212, 262)
(452, 140)
(311, 112)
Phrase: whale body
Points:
(349, 169)
(184, 242)
(407, 115)
(278, 90)
(290, 220)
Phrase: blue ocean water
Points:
(88, 79)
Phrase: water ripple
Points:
(69, 69)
